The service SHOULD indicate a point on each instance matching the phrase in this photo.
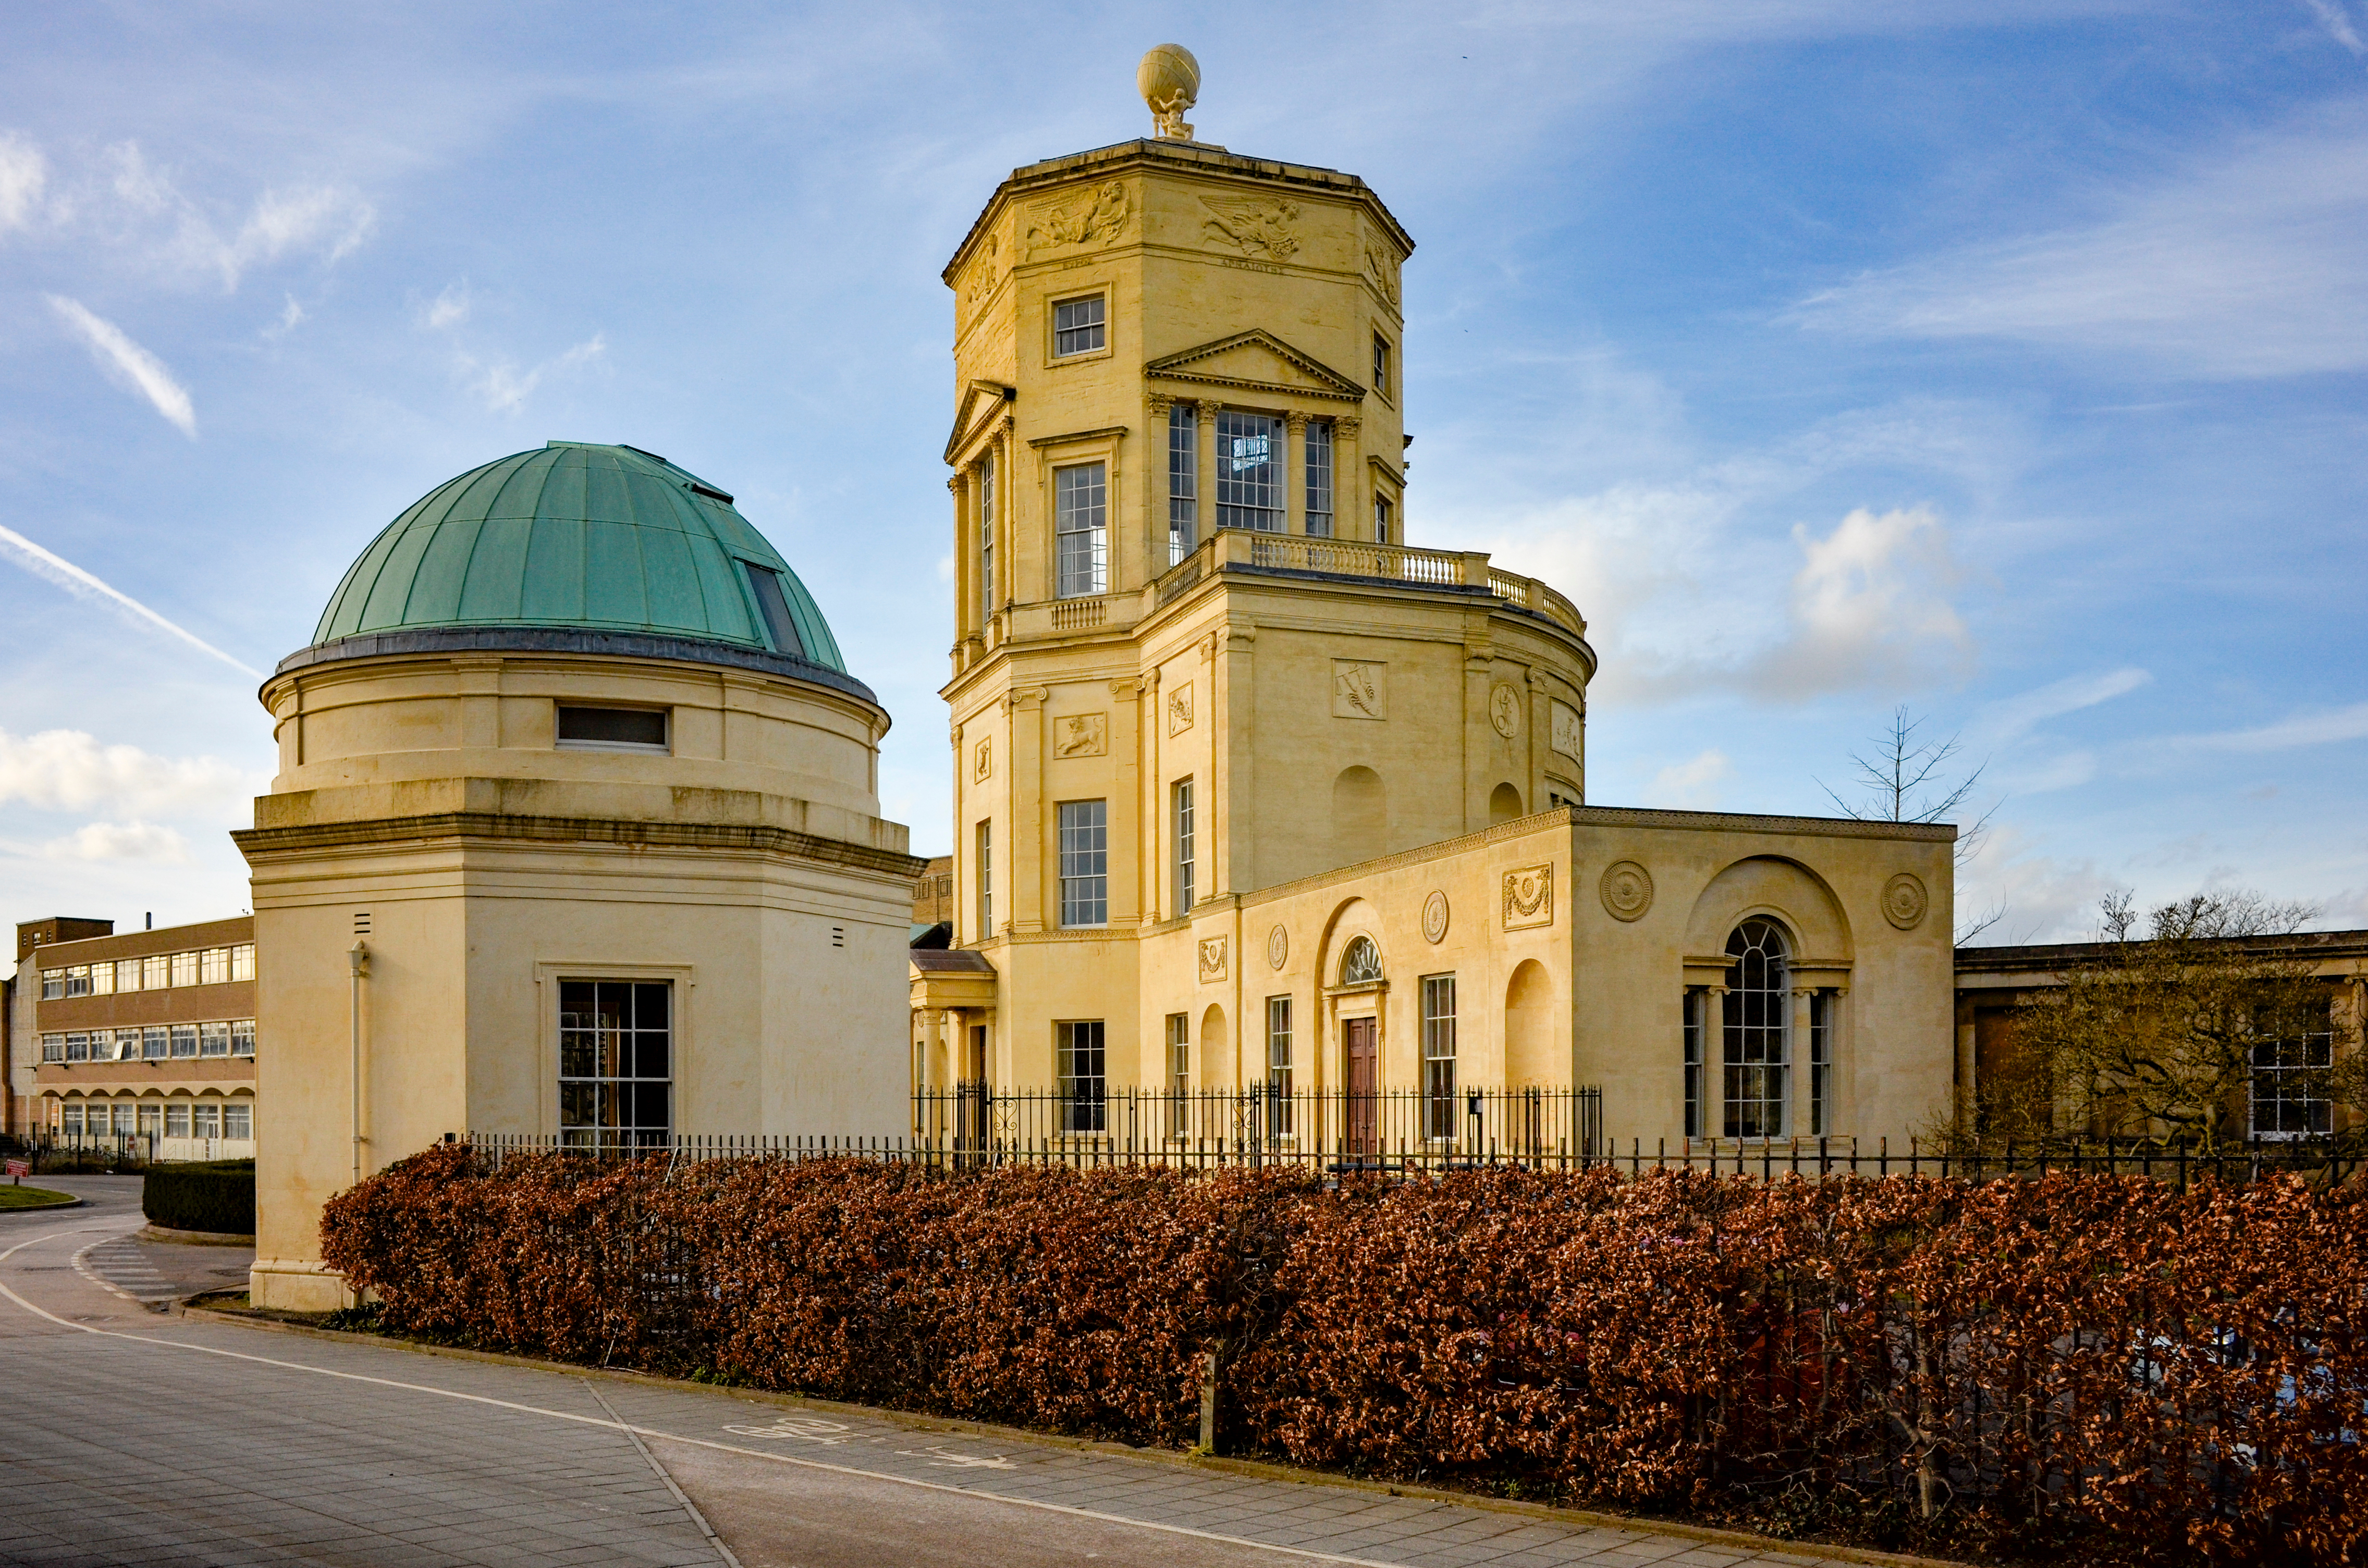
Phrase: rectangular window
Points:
(1080, 1048)
(1077, 327)
(155, 973)
(1249, 471)
(1698, 1005)
(773, 606)
(1821, 1064)
(127, 975)
(1757, 1060)
(1380, 365)
(1439, 1055)
(1080, 531)
(214, 1039)
(1277, 1065)
(986, 882)
(185, 1039)
(53, 984)
(53, 1048)
(154, 1044)
(985, 540)
(616, 1064)
(102, 980)
(241, 1037)
(1320, 479)
(1183, 480)
(242, 961)
(238, 1119)
(177, 1119)
(70, 1121)
(2293, 1091)
(1384, 515)
(126, 1123)
(78, 979)
(1084, 863)
(184, 969)
(1179, 1074)
(1179, 824)
(77, 1046)
(205, 1120)
(213, 966)
(102, 1044)
(612, 729)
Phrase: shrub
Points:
(2093, 1365)
(219, 1196)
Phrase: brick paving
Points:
(177, 1440)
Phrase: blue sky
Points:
(2002, 361)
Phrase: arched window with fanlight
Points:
(1756, 1057)
(1362, 963)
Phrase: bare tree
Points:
(2168, 1034)
(1902, 780)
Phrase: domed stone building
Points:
(575, 833)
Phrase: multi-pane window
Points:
(77, 1046)
(205, 1120)
(157, 973)
(53, 984)
(1362, 963)
(1080, 530)
(155, 1043)
(1077, 327)
(985, 539)
(177, 1119)
(214, 1039)
(1249, 471)
(1278, 1061)
(242, 961)
(985, 862)
(238, 1119)
(1320, 479)
(213, 966)
(1385, 519)
(1381, 364)
(1183, 480)
(1698, 1010)
(1821, 1064)
(185, 1039)
(1079, 1050)
(152, 1120)
(616, 1063)
(53, 1048)
(241, 1037)
(126, 1119)
(2292, 1092)
(1179, 1073)
(1439, 1056)
(1179, 827)
(1755, 1061)
(1084, 863)
(184, 969)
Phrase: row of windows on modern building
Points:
(154, 1042)
(76, 1118)
(1252, 477)
(157, 971)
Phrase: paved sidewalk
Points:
(140, 1439)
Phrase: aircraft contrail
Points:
(74, 580)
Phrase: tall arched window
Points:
(1757, 1068)
(1361, 964)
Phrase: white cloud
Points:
(2044, 898)
(128, 363)
(2302, 730)
(1870, 608)
(1692, 783)
(23, 173)
(292, 317)
(2247, 265)
(2010, 717)
(2331, 16)
(138, 210)
(57, 569)
(67, 770)
(505, 388)
(119, 841)
(449, 309)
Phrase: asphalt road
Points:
(129, 1436)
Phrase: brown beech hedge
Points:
(2089, 1364)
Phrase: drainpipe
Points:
(358, 958)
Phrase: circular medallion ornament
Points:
(1505, 710)
(1905, 901)
(1277, 946)
(1627, 890)
(1434, 917)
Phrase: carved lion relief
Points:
(1094, 220)
(1529, 897)
(1081, 734)
(1179, 709)
(1361, 689)
(1212, 958)
(1253, 225)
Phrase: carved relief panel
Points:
(1179, 709)
(1569, 730)
(1092, 218)
(1360, 688)
(1529, 897)
(1081, 734)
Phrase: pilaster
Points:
(1295, 473)
(1029, 876)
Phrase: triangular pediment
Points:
(979, 402)
(1256, 361)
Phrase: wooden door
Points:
(1361, 1041)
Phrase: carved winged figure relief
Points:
(1100, 220)
(1255, 227)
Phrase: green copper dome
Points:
(581, 538)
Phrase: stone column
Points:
(1713, 1061)
(1352, 504)
(1006, 539)
(1207, 507)
(966, 617)
(1156, 484)
(1797, 1057)
(1295, 473)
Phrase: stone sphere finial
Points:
(1169, 80)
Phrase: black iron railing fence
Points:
(1337, 1131)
